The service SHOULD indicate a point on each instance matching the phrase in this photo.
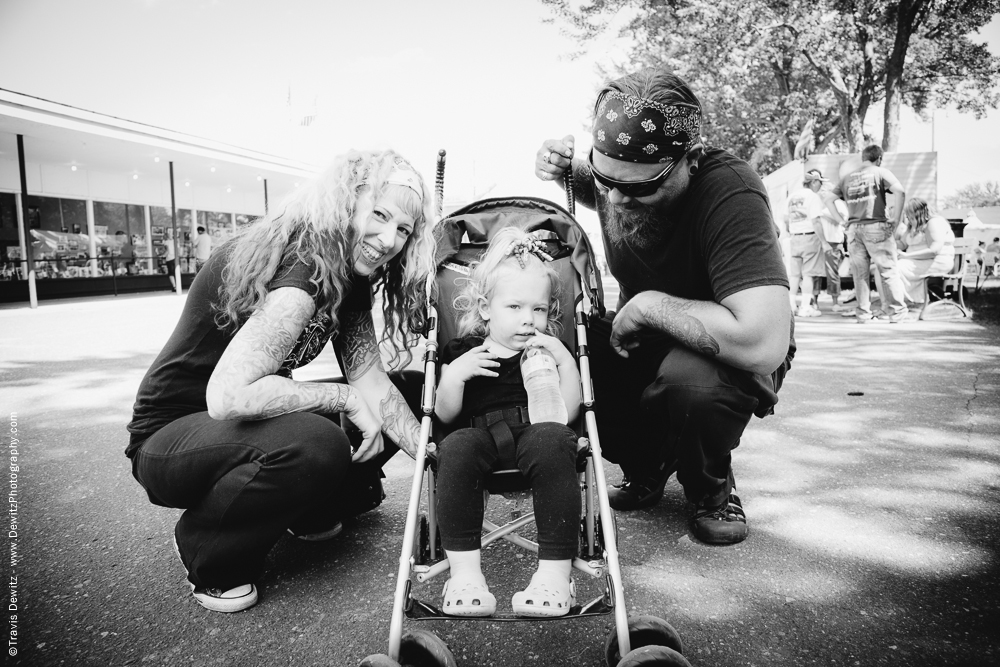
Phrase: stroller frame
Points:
(651, 633)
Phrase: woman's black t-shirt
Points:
(175, 385)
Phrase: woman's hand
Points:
(360, 414)
(477, 362)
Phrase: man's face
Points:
(815, 185)
(639, 220)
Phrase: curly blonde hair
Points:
(484, 276)
(315, 225)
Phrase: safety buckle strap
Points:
(518, 415)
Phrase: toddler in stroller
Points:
(510, 299)
(569, 452)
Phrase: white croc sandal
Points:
(542, 601)
(468, 598)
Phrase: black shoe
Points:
(637, 492)
(722, 524)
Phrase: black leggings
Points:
(546, 454)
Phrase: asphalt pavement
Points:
(873, 497)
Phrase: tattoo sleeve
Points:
(360, 348)
(671, 315)
(398, 422)
(244, 385)
(583, 185)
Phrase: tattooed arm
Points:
(363, 367)
(244, 386)
(748, 330)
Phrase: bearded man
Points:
(702, 337)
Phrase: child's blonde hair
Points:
(483, 278)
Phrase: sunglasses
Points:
(643, 188)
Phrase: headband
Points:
(529, 244)
(636, 129)
(403, 174)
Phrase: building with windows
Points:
(103, 197)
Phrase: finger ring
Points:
(545, 158)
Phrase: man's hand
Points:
(625, 328)
(476, 362)
(554, 158)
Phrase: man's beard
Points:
(639, 225)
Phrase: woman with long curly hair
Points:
(220, 428)
(928, 247)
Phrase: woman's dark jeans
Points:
(243, 484)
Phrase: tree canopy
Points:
(975, 194)
(779, 78)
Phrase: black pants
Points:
(242, 484)
(545, 453)
(667, 402)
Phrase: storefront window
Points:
(120, 233)
(10, 248)
(59, 241)
(160, 223)
(219, 226)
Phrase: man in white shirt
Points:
(806, 261)
(202, 248)
(833, 243)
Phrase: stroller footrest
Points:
(418, 610)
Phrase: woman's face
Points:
(385, 228)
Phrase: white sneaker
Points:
(849, 312)
(215, 599)
(808, 311)
(233, 600)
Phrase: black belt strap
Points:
(498, 424)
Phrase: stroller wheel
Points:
(379, 660)
(424, 649)
(644, 631)
(648, 656)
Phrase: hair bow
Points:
(529, 244)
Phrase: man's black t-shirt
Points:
(175, 385)
(718, 240)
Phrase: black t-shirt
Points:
(719, 240)
(487, 394)
(175, 385)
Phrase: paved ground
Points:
(873, 496)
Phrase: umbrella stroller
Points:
(462, 237)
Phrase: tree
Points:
(975, 194)
(767, 70)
